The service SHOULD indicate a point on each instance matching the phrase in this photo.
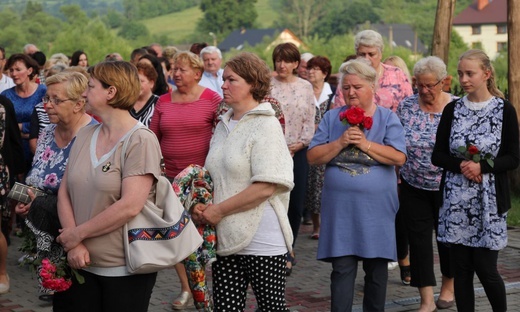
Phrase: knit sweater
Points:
(254, 151)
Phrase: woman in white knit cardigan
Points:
(251, 168)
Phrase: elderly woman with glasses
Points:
(66, 109)
(420, 181)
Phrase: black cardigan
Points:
(507, 158)
(12, 150)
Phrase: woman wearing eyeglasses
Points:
(420, 180)
(66, 110)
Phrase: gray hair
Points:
(59, 58)
(306, 56)
(209, 50)
(360, 67)
(369, 38)
(430, 65)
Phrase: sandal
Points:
(182, 301)
(406, 275)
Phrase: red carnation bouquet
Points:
(57, 277)
(355, 116)
(471, 152)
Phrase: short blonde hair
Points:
(190, 59)
(360, 67)
(76, 83)
(123, 77)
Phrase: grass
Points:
(180, 25)
(513, 216)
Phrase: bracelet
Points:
(369, 146)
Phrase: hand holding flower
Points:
(471, 170)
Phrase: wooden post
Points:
(513, 33)
(442, 29)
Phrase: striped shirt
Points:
(185, 129)
(39, 120)
(144, 115)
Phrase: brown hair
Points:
(147, 70)
(26, 60)
(287, 52)
(323, 63)
(123, 77)
(254, 71)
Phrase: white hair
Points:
(369, 38)
(306, 56)
(210, 50)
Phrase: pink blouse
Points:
(393, 88)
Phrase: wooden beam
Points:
(442, 29)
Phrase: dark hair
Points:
(74, 60)
(27, 60)
(150, 50)
(39, 57)
(161, 86)
(197, 47)
(137, 52)
(287, 52)
(254, 71)
(3, 52)
(323, 63)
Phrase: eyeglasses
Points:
(429, 87)
(54, 101)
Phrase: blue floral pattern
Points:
(49, 162)
(420, 133)
(469, 214)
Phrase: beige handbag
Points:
(162, 234)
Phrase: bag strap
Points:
(125, 144)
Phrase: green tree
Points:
(132, 30)
(342, 17)
(114, 19)
(224, 16)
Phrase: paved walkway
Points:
(307, 288)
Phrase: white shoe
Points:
(4, 288)
(392, 265)
(27, 258)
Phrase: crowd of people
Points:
(380, 163)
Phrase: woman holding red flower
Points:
(477, 144)
(360, 143)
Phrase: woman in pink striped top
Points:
(183, 121)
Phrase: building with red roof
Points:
(483, 25)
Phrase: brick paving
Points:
(307, 287)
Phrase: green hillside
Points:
(180, 25)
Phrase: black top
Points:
(507, 158)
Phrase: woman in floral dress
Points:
(477, 144)
(66, 110)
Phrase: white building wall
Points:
(488, 37)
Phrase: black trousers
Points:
(420, 209)
(343, 278)
(106, 294)
(297, 199)
(470, 260)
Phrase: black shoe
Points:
(46, 297)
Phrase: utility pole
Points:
(513, 56)
(442, 29)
